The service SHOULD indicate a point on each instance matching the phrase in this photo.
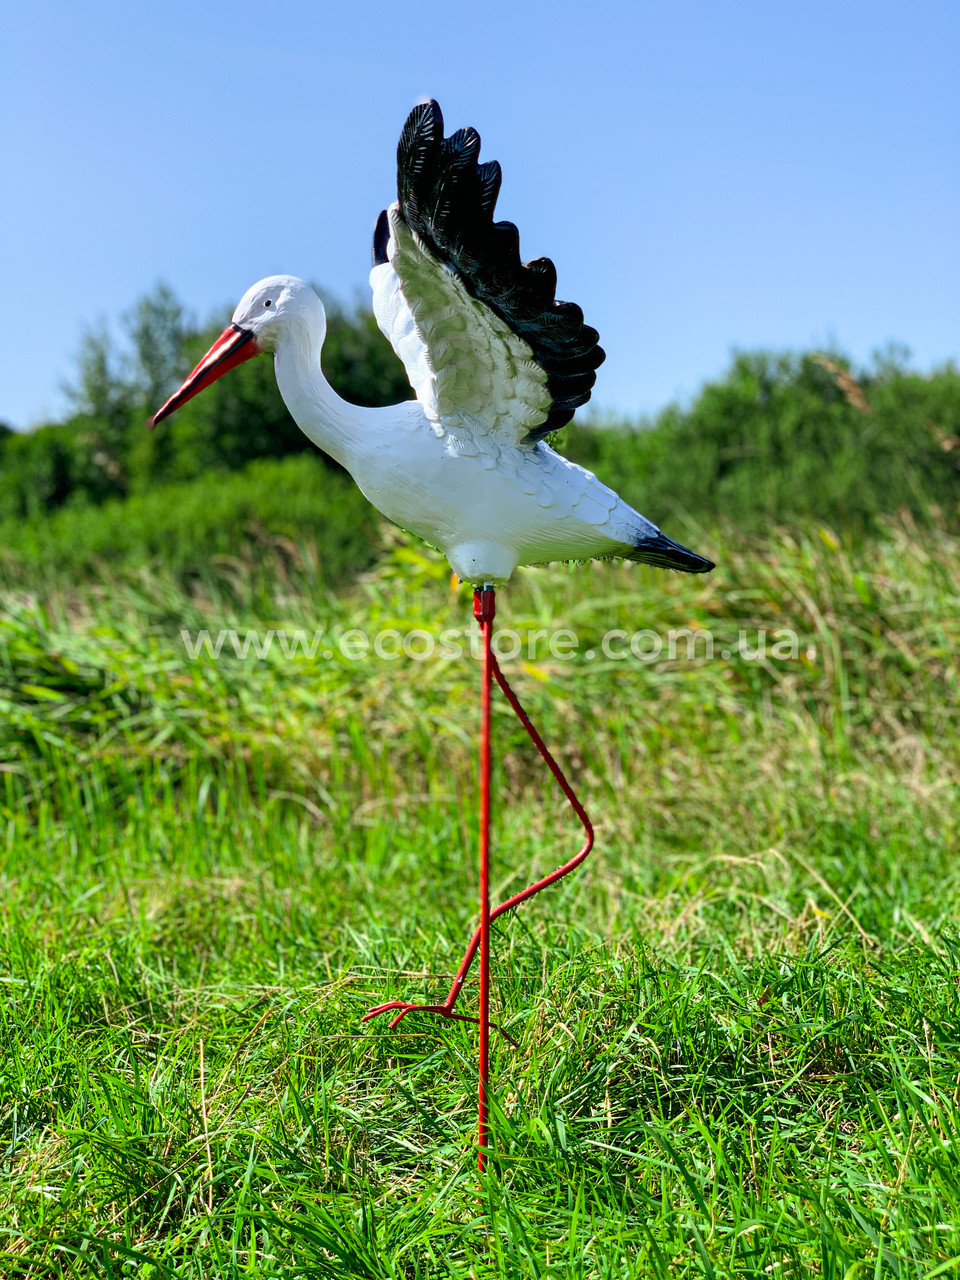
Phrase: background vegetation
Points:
(739, 1024)
(780, 438)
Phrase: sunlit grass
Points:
(738, 1023)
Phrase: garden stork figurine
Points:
(497, 364)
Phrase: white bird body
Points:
(487, 503)
(495, 362)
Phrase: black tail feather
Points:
(667, 554)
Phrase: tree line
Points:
(780, 437)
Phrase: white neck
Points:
(333, 424)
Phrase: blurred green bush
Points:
(786, 437)
(182, 526)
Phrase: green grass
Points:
(738, 1023)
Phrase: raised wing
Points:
(479, 332)
(460, 357)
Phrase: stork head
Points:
(273, 306)
(267, 311)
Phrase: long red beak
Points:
(232, 347)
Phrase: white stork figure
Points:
(497, 364)
(495, 361)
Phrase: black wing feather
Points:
(381, 235)
(448, 198)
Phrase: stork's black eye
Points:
(268, 303)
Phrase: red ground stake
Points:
(484, 608)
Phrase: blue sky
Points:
(704, 175)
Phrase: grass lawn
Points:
(739, 1022)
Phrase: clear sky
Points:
(706, 174)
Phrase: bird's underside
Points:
(491, 506)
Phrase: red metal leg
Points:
(484, 608)
(480, 939)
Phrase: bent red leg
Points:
(446, 1009)
(484, 609)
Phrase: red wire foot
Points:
(442, 1011)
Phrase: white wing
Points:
(461, 358)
